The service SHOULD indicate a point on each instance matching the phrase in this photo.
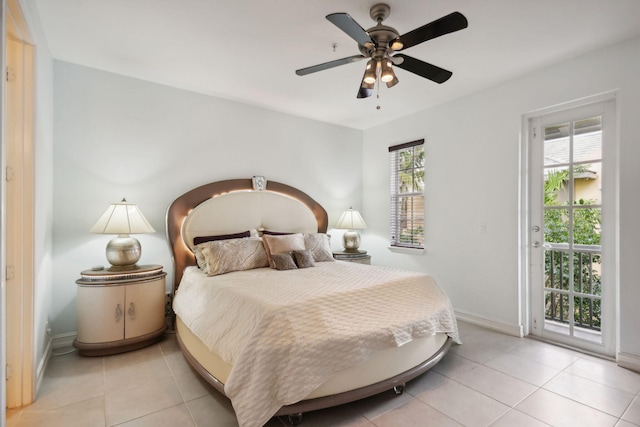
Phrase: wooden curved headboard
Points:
(183, 205)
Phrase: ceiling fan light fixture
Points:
(387, 73)
(370, 72)
(396, 45)
(392, 82)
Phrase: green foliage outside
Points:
(411, 180)
(586, 266)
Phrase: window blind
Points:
(407, 194)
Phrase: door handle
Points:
(118, 312)
(132, 311)
(536, 244)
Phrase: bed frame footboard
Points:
(295, 411)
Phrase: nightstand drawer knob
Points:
(132, 311)
(118, 313)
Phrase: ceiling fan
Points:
(380, 43)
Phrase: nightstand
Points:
(120, 311)
(359, 257)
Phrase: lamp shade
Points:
(351, 220)
(386, 71)
(370, 73)
(122, 218)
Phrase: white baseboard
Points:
(629, 361)
(507, 328)
(42, 366)
(63, 340)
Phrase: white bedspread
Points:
(287, 332)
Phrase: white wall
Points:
(472, 173)
(116, 136)
(43, 218)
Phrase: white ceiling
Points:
(248, 50)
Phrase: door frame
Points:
(610, 203)
(17, 340)
(3, 287)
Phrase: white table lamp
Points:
(123, 219)
(351, 220)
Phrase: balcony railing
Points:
(579, 279)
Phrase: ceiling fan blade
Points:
(347, 24)
(445, 25)
(423, 69)
(330, 64)
(364, 92)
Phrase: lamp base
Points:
(351, 241)
(123, 252)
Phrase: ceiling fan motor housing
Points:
(382, 35)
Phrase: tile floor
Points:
(492, 379)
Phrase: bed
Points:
(280, 339)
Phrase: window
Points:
(407, 194)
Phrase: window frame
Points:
(395, 220)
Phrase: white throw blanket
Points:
(287, 332)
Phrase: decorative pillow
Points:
(198, 241)
(280, 244)
(319, 245)
(303, 258)
(284, 261)
(224, 256)
(200, 260)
